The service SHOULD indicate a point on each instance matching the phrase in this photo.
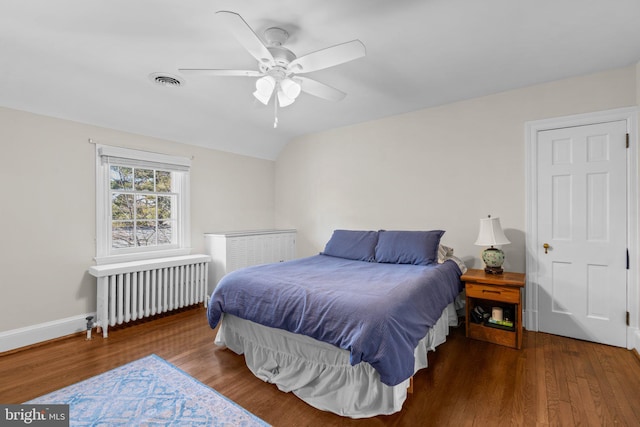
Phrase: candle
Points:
(496, 313)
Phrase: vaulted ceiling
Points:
(90, 60)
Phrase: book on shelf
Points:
(505, 323)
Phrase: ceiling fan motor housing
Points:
(281, 57)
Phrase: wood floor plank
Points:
(551, 381)
(542, 409)
(610, 365)
(519, 393)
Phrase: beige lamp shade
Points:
(491, 233)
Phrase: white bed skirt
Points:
(320, 373)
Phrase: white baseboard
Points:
(21, 337)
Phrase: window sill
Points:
(112, 259)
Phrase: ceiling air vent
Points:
(164, 79)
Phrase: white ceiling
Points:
(89, 60)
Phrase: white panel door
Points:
(582, 217)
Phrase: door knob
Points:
(546, 248)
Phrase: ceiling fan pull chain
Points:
(275, 112)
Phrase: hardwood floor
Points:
(551, 381)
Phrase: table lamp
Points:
(491, 234)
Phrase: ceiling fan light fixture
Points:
(290, 88)
(283, 99)
(265, 85)
(264, 88)
(262, 97)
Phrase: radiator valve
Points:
(89, 326)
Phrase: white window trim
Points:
(103, 203)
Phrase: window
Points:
(142, 205)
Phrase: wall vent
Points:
(164, 79)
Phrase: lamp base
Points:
(493, 270)
(493, 259)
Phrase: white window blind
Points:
(137, 158)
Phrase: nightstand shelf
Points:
(494, 290)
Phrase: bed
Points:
(344, 330)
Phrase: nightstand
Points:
(494, 290)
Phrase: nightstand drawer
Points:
(501, 293)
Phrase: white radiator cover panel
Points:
(232, 250)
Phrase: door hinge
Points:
(627, 259)
(627, 318)
(627, 140)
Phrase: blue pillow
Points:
(408, 247)
(352, 244)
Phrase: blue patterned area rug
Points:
(148, 391)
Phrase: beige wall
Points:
(47, 213)
(442, 167)
(438, 168)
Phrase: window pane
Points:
(122, 234)
(146, 207)
(144, 179)
(164, 207)
(121, 178)
(121, 206)
(146, 233)
(163, 181)
(165, 232)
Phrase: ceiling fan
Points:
(279, 69)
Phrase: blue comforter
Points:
(378, 312)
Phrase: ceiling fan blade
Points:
(245, 35)
(328, 57)
(321, 90)
(221, 73)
